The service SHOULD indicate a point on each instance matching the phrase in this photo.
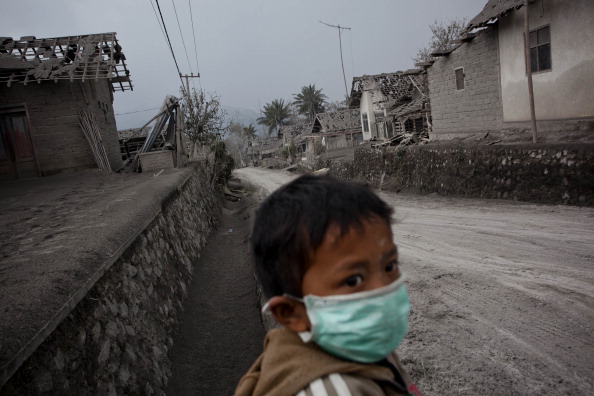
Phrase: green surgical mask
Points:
(364, 327)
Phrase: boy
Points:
(328, 266)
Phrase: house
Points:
(376, 96)
(294, 135)
(56, 104)
(481, 85)
(263, 148)
(333, 132)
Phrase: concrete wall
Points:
(58, 140)
(477, 107)
(116, 339)
(551, 173)
(566, 91)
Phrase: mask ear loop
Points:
(266, 306)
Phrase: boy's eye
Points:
(392, 266)
(353, 281)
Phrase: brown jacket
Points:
(289, 366)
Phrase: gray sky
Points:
(249, 51)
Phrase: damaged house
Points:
(480, 84)
(294, 137)
(331, 132)
(391, 105)
(56, 104)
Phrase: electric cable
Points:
(158, 21)
(182, 36)
(169, 41)
(195, 50)
(138, 111)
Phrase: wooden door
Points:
(17, 156)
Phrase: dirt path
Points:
(221, 333)
(502, 293)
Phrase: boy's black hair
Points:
(292, 222)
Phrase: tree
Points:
(335, 106)
(310, 101)
(249, 132)
(276, 114)
(236, 142)
(204, 118)
(443, 35)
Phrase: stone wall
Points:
(477, 107)
(116, 339)
(553, 173)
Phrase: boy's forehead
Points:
(334, 233)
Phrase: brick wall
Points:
(477, 107)
(58, 140)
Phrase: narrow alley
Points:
(220, 332)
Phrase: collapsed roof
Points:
(388, 88)
(87, 57)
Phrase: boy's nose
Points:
(380, 280)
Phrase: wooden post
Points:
(529, 70)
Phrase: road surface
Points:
(502, 292)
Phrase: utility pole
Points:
(340, 29)
(529, 70)
(187, 77)
(346, 90)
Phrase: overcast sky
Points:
(248, 51)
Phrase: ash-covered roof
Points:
(87, 57)
(493, 10)
(392, 88)
(338, 121)
(296, 129)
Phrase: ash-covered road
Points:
(502, 292)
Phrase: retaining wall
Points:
(116, 339)
(553, 173)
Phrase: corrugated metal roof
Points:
(492, 10)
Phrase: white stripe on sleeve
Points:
(317, 388)
(302, 393)
(339, 385)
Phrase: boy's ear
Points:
(289, 313)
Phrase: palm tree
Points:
(249, 132)
(276, 114)
(310, 101)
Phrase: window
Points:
(459, 78)
(365, 123)
(540, 49)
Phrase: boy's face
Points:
(361, 260)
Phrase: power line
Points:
(194, 35)
(138, 111)
(158, 22)
(169, 41)
(182, 36)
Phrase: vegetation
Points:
(249, 132)
(310, 101)
(276, 114)
(238, 140)
(204, 118)
(443, 35)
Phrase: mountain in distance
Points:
(245, 117)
